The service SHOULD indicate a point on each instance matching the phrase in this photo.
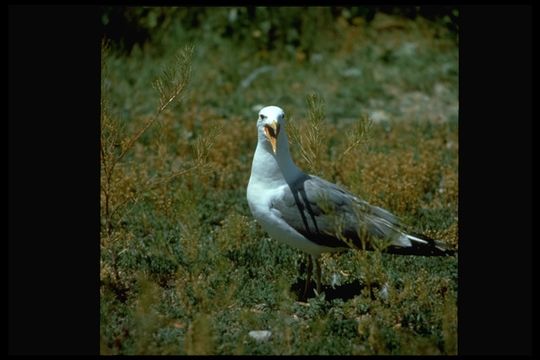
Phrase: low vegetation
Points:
(371, 101)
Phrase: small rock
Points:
(352, 72)
(384, 292)
(359, 348)
(260, 335)
(378, 116)
(408, 49)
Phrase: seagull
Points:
(314, 215)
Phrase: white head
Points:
(271, 120)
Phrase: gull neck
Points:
(273, 168)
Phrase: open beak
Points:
(272, 132)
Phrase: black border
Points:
(53, 180)
(495, 176)
(53, 171)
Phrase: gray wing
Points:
(327, 215)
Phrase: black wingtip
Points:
(427, 247)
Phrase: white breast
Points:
(271, 221)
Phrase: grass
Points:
(371, 105)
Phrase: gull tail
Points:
(422, 245)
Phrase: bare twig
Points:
(170, 86)
(358, 136)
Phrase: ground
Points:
(185, 269)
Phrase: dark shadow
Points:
(307, 224)
(344, 292)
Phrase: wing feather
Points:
(329, 215)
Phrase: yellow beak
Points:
(272, 132)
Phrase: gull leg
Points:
(308, 277)
(318, 275)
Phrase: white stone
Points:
(379, 116)
(260, 335)
(384, 292)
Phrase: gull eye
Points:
(263, 117)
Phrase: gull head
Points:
(271, 120)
